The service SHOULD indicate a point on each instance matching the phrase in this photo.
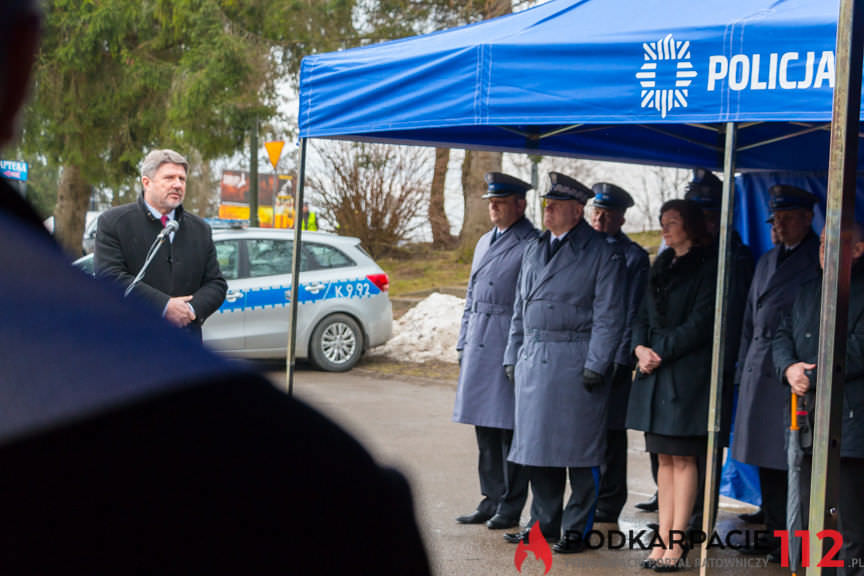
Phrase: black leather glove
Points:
(620, 372)
(510, 372)
(459, 356)
(591, 379)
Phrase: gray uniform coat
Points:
(568, 315)
(485, 396)
(637, 265)
(759, 431)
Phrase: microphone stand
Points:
(151, 253)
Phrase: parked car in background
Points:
(343, 306)
(88, 238)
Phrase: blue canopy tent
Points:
(575, 78)
(649, 82)
(732, 85)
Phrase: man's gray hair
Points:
(157, 158)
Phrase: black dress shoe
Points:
(650, 505)
(569, 546)
(664, 565)
(653, 526)
(516, 537)
(757, 517)
(603, 518)
(670, 566)
(475, 517)
(500, 522)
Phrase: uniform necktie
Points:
(494, 236)
(164, 220)
(556, 242)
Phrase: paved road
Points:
(405, 422)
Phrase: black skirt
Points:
(676, 445)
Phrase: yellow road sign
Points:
(274, 151)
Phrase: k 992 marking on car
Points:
(343, 305)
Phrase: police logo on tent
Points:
(666, 74)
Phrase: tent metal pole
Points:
(724, 274)
(295, 271)
(839, 222)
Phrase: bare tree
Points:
(476, 219)
(659, 184)
(374, 192)
(438, 221)
(202, 187)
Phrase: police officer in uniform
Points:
(568, 318)
(610, 203)
(759, 422)
(485, 397)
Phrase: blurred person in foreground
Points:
(795, 352)
(567, 322)
(608, 216)
(485, 397)
(669, 397)
(183, 281)
(131, 449)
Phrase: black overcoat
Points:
(676, 321)
(797, 340)
(759, 435)
(186, 266)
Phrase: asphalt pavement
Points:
(405, 422)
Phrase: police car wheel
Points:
(337, 343)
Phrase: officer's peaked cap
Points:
(500, 185)
(705, 189)
(612, 197)
(785, 197)
(562, 187)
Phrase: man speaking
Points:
(183, 280)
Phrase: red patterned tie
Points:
(164, 219)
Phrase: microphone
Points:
(170, 226)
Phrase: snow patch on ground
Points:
(428, 331)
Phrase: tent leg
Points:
(839, 220)
(295, 271)
(724, 273)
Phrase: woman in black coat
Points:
(672, 344)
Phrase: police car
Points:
(343, 306)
